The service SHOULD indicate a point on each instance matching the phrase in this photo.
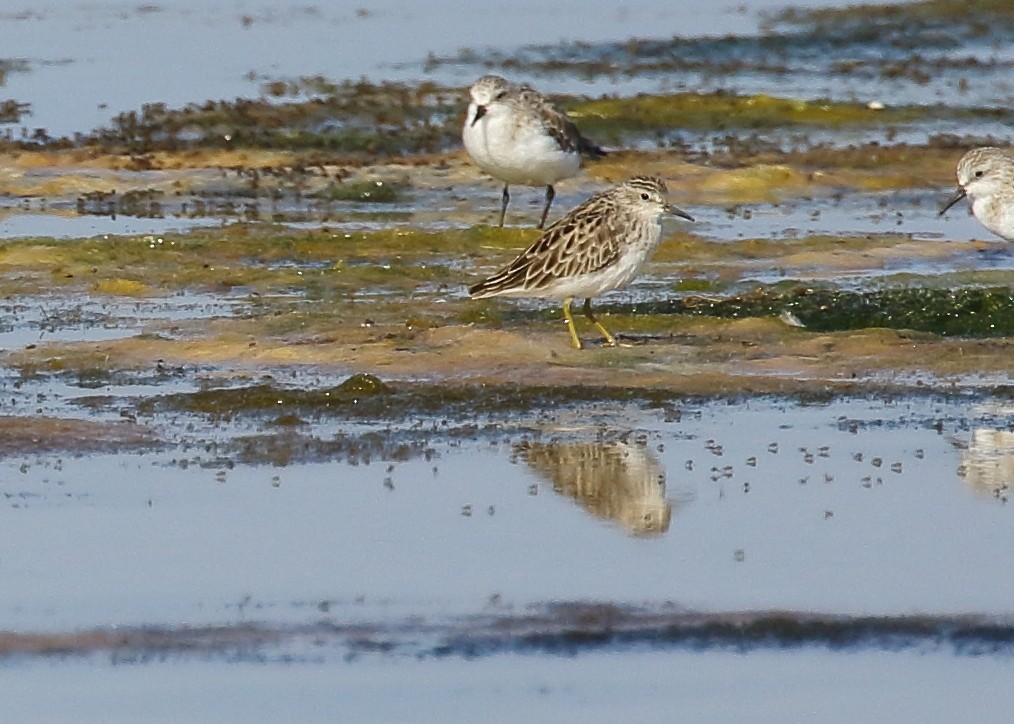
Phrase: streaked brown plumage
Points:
(599, 246)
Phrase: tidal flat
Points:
(253, 428)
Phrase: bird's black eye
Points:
(978, 174)
(644, 197)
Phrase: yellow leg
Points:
(610, 339)
(570, 322)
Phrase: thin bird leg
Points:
(550, 195)
(610, 339)
(570, 322)
(503, 206)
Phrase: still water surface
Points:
(858, 506)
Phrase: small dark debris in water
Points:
(11, 111)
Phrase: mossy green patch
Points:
(359, 386)
(287, 404)
(945, 312)
(259, 259)
(693, 284)
(371, 192)
(688, 248)
(122, 287)
(721, 111)
(390, 401)
(481, 313)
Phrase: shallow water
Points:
(852, 507)
(106, 52)
(864, 506)
(74, 226)
(298, 41)
(634, 686)
(34, 320)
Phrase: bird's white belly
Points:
(995, 215)
(517, 154)
(616, 276)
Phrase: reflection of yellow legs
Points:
(610, 339)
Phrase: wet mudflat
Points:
(257, 445)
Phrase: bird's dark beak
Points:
(675, 211)
(958, 195)
(480, 111)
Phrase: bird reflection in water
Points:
(617, 481)
(987, 463)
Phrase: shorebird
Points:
(516, 135)
(599, 246)
(986, 176)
